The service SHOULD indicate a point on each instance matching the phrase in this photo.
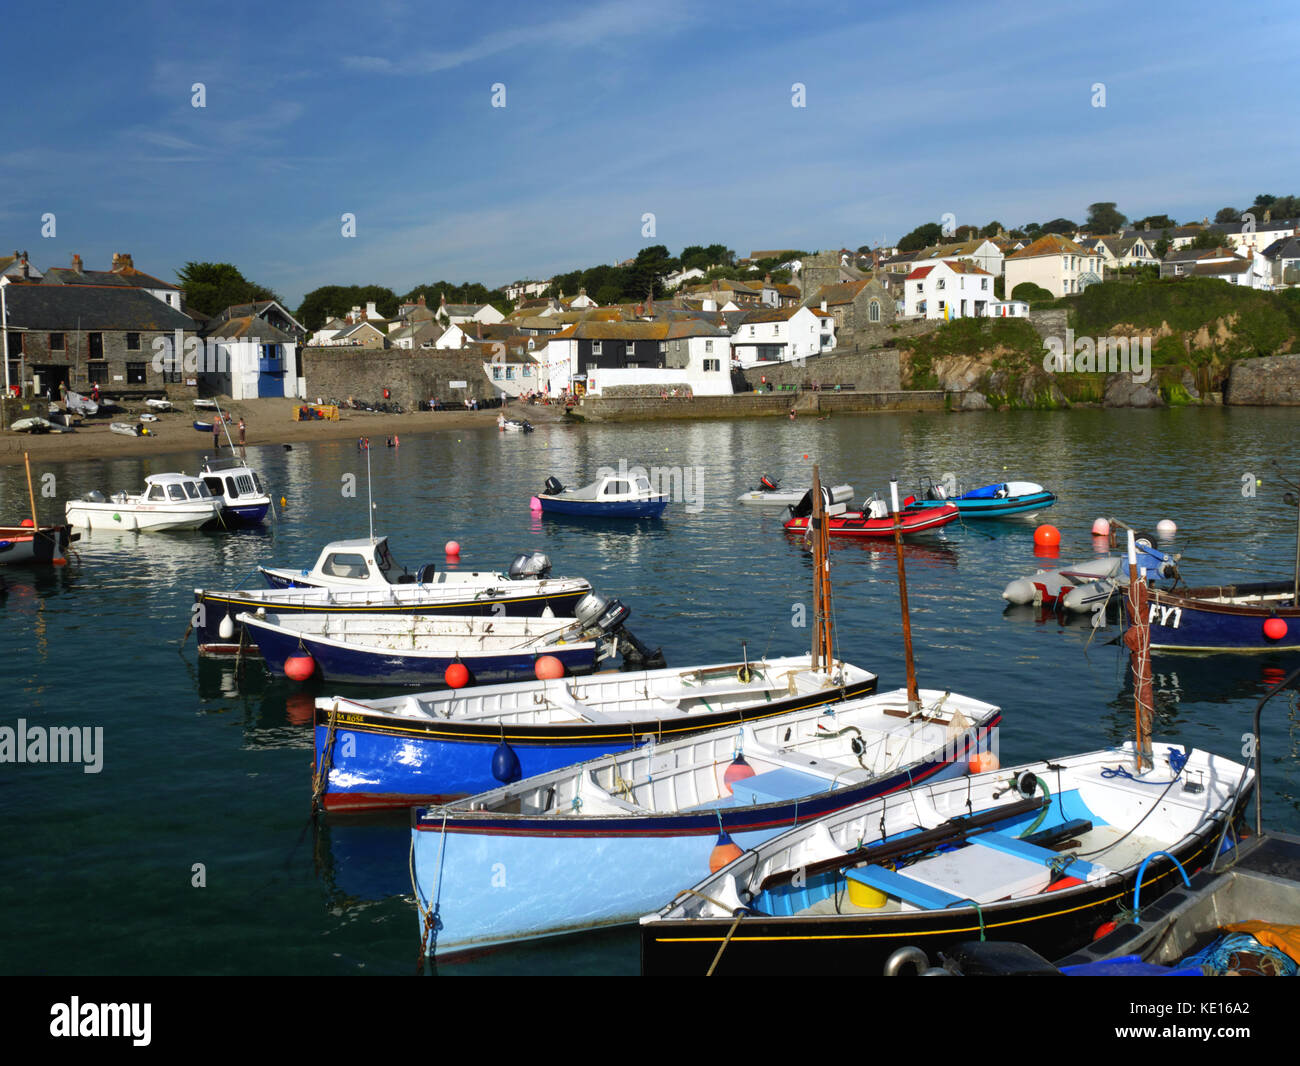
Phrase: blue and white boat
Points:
(999, 500)
(412, 649)
(244, 502)
(600, 843)
(360, 576)
(610, 496)
(1258, 616)
(434, 746)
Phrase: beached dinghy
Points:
(159, 405)
(80, 405)
(1044, 853)
(169, 502)
(418, 650)
(999, 500)
(128, 429)
(1078, 586)
(610, 496)
(770, 493)
(599, 843)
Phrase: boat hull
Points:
(397, 762)
(855, 524)
(599, 509)
(143, 518)
(1188, 621)
(359, 664)
(25, 546)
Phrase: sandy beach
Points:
(267, 421)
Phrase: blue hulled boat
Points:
(598, 844)
(1260, 616)
(610, 496)
(244, 501)
(414, 649)
(999, 500)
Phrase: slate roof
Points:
(91, 307)
(843, 293)
(250, 327)
(1239, 227)
(127, 279)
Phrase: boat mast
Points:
(370, 504)
(36, 525)
(821, 642)
(1138, 641)
(913, 694)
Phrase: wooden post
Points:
(913, 693)
(27, 459)
(814, 527)
(1138, 641)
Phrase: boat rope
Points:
(239, 654)
(978, 910)
(321, 772)
(431, 921)
(1154, 807)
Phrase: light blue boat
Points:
(999, 500)
(596, 844)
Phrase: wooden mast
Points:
(27, 459)
(823, 655)
(1138, 641)
(913, 693)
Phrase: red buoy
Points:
(299, 667)
(456, 675)
(983, 762)
(27, 523)
(737, 771)
(1046, 536)
(548, 667)
(1104, 929)
(1275, 628)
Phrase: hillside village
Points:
(130, 333)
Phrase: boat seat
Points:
(1009, 845)
(909, 890)
(775, 785)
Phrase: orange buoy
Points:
(1103, 930)
(548, 667)
(1046, 536)
(1275, 628)
(27, 523)
(725, 850)
(737, 771)
(299, 667)
(983, 762)
(456, 675)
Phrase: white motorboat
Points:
(244, 500)
(169, 502)
(513, 425)
(159, 405)
(770, 493)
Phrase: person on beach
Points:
(791, 414)
(216, 434)
(241, 432)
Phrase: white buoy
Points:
(1166, 528)
(1101, 528)
(226, 629)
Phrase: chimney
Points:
(767, 279)
(371, 310)
(420, 301)
(823, 305)
(76, 264)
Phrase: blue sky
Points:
(614, 109)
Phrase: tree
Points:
(1059, 225)
(1227, 214)
(921, 237)
(1104, 218)
(335, 301)
(992, 229)
(212, 287)
(1207, 239)
(1155, 222)
(1161, 248)
(1027, 290)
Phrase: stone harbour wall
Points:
(411, 377)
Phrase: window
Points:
(135, 373)
(751, 330)
(984, 284)
(941, 305)
(156, 493)
(133, 342)
(171, 375)
(708, 346)
(873, 311)
(98, 375)
(942, 284)
(57, 343)
(176, 492)
(192, 490)
(96, 342)
(663, 347)
(713, 364)
(595, 347)
(344, 565)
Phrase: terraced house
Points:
(1054, 263)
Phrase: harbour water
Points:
(192, 850)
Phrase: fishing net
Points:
(1240, 954)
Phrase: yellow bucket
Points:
(865, 896)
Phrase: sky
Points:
(758, 127)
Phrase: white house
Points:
(948, 289)
(1054, 263)
(458, 314)
(252, 358)
(981, 251)
(782, 335)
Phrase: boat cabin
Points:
(173, 488)
(233, 480)
(362, 563)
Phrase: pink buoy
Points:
(1166, 528)
(1046, 536)
(534, 504)
(737, 771)
(1275, 628)
(452, 548)
(1101, 528)
(548, 668)
(299, 667)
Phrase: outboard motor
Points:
(771, 484)
(425, 573)
(553, 486)
(530, 565)
(590, 608)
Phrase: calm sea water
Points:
(199, 768)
